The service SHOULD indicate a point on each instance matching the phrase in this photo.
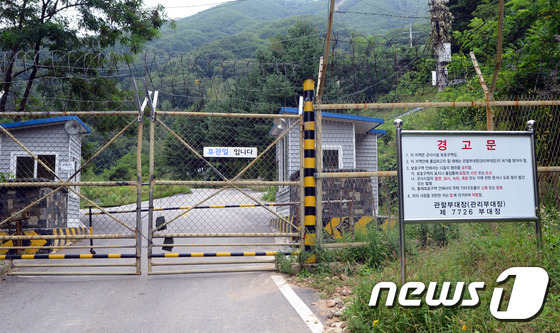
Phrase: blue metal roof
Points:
(45, 121)
(375, 122)
(379, 132)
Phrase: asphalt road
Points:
(227, 302)
(209, 302)
(215, 220)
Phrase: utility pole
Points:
(441, 19)
(410, 32)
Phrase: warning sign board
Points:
(467, 176)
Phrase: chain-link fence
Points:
(211, 183)
(224, 157)
(84, 183)
(548, 141)
(377, 194)
(232, 203)
(59, 186)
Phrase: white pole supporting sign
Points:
(466, 176)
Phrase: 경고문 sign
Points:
(461, 176)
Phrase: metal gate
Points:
(65, 208)
(203, 195)
(221, 221)
(49, 194)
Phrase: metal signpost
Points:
(466, 176)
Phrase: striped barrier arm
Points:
(197, 207)
(213, 207)
(67, 256)
(219, 254)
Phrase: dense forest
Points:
(252, 56)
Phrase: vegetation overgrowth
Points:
(125, 195)
(270, 194)
(476, 252)
(124, 170)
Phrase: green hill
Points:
(254, 21)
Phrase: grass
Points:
(475, 252)
(270, 194)
(124, 195)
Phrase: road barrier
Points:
(67, 256)
(220, 254)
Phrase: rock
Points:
(330, 314)
(345, 291)
(333, 330)
(338, 313)
(331, 303)
(339, 301)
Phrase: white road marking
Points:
(304, 312)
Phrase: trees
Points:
(67, 25)
(273, 81)
(531, 46)
(293, 55)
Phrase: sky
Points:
(183, 8)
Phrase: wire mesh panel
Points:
(348, 205)
(354, 201)
(512, 114)
(221, 173)
(77, 182)
(62, 189)
(514, 118)
(347, 194)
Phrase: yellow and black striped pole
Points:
(310, 222)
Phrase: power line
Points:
(375, 6)
(379, 14)
(225, 3)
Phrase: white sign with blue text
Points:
(231, 152)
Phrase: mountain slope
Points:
(264, 18)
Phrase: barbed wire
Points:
(76, 81)
(381, 14)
